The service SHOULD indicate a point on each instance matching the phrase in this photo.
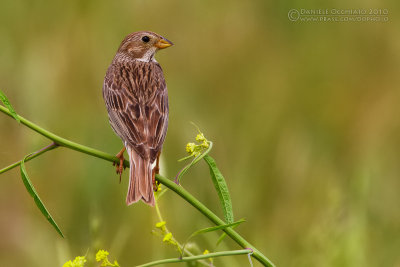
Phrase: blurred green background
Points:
(304, 119)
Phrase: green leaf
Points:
(185, 158)
(31, 190)
(193, 162)
(211, 229)
(223, 235)
(222, 189)
(215, 228)
(7, 103)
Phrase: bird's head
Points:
(143, 45)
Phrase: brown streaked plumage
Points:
(135, 94)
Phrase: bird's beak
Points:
(163, 43)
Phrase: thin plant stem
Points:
(160, 218)
(168, 183)
(198, 257)
(31, 156)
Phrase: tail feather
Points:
(140, 179)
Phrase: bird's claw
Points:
(120, 167)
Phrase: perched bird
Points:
(136, 98)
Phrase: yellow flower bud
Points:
(190, 148)
(205, 144)
(160, 224)
(79, 261)
(158, 187)
(168, 237)
(200, 137)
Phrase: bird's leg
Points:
(120, 166)
(156, 170)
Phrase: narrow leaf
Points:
(185, 158)
(211, 229)
(31, 190)
(222, 237)
(7, 103)
(218, 227)
(222, 189)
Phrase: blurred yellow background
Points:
(304, 118)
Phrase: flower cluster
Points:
(194, 150)
(77, 262)
(102, 256)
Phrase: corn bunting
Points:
(136, 98)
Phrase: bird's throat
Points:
(148, 56)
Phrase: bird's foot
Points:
(120, 167)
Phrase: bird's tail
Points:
(140, 179)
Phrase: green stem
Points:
(214, 218)
(168, 183)
(64, 142)
(31, 156)
(193, 258)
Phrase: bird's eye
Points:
(146, 39)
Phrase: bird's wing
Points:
(137, 103)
